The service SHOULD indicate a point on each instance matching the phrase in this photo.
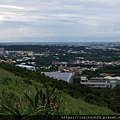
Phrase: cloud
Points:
(1, 18)
(11, 7)
(64, 19)
(106, 2)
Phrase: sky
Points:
(59, 20)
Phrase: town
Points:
(91, 65)
(73, 75)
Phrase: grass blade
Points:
(8, 109)
(36, 99)
(30, 100)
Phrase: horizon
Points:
(104, 44)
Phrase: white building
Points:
(26, 66)
(84, 79)
(98, 82)
(117, 79)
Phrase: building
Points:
(63, 67)
(117, 79)
(98, 82)
(30, 53)
(1, 50)
(68, 77)
(26, 66)
(84, 79)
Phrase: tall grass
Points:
(20, 96)
(40, 104)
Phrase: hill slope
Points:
(12, 93)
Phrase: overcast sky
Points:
(59, 20)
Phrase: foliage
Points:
(22, 80)
(40, 104)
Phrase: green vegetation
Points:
(25, 92)
(40, 104)
(103, 55)
(115, 70)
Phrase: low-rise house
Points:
(68, 77)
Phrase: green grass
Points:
(79, 107)
(14, 84)
(12, 91)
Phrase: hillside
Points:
(12, 92)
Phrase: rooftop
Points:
(25, 66)
(60, 75)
